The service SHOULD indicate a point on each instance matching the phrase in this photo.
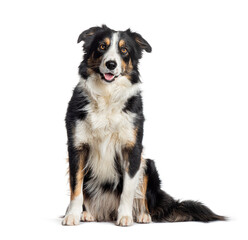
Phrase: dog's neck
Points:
(115, 92)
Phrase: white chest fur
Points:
(107, 128)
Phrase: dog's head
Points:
(112, 53)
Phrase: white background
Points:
(195, 88)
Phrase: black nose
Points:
(111, 65)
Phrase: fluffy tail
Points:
(163, 207)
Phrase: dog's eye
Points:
(123, 50)
(102, 46)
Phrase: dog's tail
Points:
(163, 207)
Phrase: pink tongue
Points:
(108, 76)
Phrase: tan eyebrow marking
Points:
(107, 41)
(122, 43)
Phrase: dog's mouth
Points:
(109, 76)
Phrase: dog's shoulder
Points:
(76, 106)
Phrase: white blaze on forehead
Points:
(112, 54)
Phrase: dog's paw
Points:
(71, 219)
(125, 221)
(87, 217)
(144, 218)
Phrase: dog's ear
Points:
(88, 33)
(141, 41)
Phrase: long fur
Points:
(109, 178)
(163, 207)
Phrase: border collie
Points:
(108, 176)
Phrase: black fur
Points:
(91, 38)
(163, 207)
(135, 44)
(135, 105)
(74, 112)
(106, 186)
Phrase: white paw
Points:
(87, 217)
(144, 218)
(125, 221)
(71, 219)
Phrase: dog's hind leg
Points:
(164, 208)
(140, 208)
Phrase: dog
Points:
(109, 178)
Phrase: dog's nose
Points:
(111, 65)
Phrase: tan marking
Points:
(90, 71)
(130, 144)
(79, 178)
(127, 68)
(144, 189)
(80, 174)
(130, 66)
(144, 186)
(125, 154)
(90, 33)
(140, 207)
(122, 43)
(139, 41)
(143, 202)
(107, 41)
(93, 63)
(123, 65)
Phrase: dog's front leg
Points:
(130, 183)
(76, 173)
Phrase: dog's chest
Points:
(106, 129)
(105, 120)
